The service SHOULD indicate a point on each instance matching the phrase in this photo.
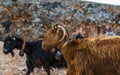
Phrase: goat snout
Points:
(5, 51)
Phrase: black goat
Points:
(36, 56)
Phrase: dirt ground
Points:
(16, 65)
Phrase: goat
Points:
(86, 56)
(36, 56)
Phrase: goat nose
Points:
(5, 51)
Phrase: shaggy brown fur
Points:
(98, 56)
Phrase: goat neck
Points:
(63, 43)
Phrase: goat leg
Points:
(47, 68)
(30, 67)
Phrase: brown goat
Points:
(98, 56)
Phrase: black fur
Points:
(36, 56)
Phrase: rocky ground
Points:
(16, 65)
(31, 20)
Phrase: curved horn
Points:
(64, 32)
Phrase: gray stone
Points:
(21, 68)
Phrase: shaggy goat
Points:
(98, 56)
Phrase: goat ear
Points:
(55, 27)
(14, 38)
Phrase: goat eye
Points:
(53, 31)
(49, 34)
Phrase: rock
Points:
(22, 68)
(36, 20)
(110, 33)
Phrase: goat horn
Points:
(64, 32)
